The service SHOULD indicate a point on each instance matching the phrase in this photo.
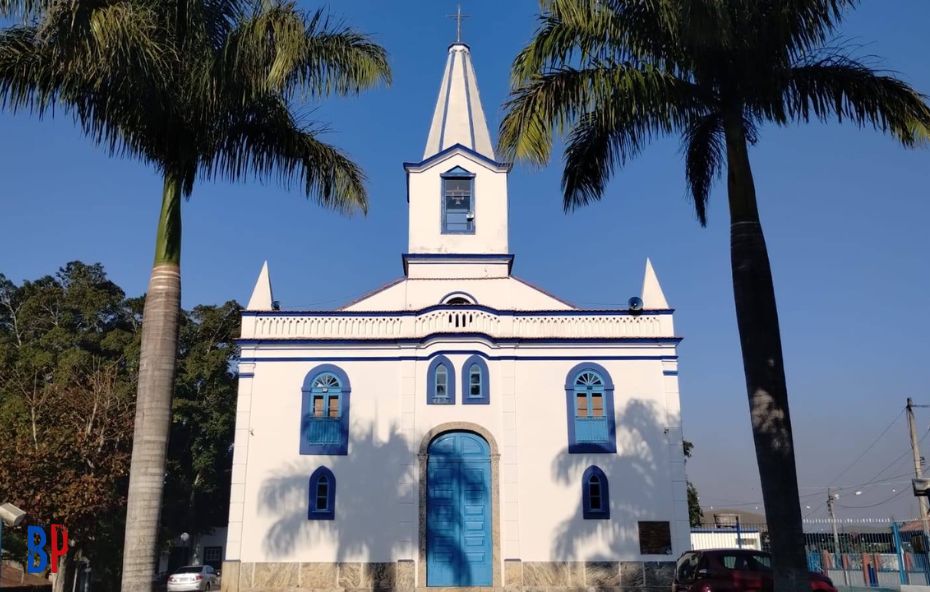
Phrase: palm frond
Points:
(595, 148)
(22, 82)
(278, 48)
(549, 104)
(705, 153)
(264, 140)
(797, 26)
(582, 31)
(842, 87)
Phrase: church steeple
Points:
(458, 192)
(459, 117)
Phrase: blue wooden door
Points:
(458, 511)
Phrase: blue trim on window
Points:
(341, 447)
(589, 512)
(485, 396)
(458, 172)
(670, 372)
(330, 512)
(246, 375)
(440, 360)
(609, 444)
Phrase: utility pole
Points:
(918, 471)
(831, 498)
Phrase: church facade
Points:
(458, 427)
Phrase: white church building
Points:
(459, 427)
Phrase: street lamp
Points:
(11, 516)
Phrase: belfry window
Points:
(458, 202)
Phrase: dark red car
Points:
(732, 570)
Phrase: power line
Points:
(872, 445)
(881, 503)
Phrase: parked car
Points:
(193, 577)
(732, 570)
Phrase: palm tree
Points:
(612, 75)
(197, 88)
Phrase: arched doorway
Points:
(459, 508)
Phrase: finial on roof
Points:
(458, 16)
(653, 297)
(262, 298)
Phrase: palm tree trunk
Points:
(153, 399)
(763, 365)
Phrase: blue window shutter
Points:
(483, 397)
(321, 503)
(439, 367)
(589, 402)
(325, 407)
(595, 494)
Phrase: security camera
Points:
(11, 515)
(470, 216)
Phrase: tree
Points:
(197, 88)
(73, 338)
(67, 360)
(614, 74)
(695, 513)
(203, 419)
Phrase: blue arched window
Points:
(322, 495)
(458, 202)
(476, 385)
(595, 495)
(589, 396)
(324, 426)
(440, 382)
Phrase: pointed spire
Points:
(459, 117)
(262, 299)
(652, 296)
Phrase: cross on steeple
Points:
(458, 16)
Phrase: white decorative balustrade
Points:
(456, 319)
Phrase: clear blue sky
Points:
(845, 212)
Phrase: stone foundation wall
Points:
(518, 576)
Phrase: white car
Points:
(193, 577)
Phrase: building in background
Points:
(458, 427)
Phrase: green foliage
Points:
(200, 450)
(69, 350)
(613, 75)
(196, 87)
(695, 514)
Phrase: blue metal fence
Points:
(861, 553)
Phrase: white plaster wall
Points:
(641, 482)
(377, 483)
(502, 293)
(425, 216)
